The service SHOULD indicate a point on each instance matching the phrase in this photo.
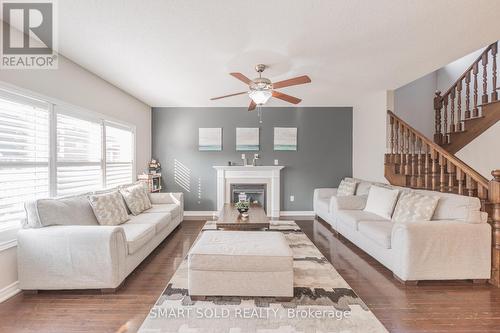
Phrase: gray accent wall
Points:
(322, 159)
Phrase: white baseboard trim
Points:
(297, 213)
(9, 291)
(198, 213)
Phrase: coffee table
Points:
(230, 218)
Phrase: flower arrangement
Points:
(242, 206)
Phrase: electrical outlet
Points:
(292, 198)
(276, 162)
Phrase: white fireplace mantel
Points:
(269, 175)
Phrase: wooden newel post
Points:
(494, 199)
(438, 104)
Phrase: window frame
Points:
(58, 106)
(104, 147)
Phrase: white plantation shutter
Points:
(119, 155)
(79, 166)
(54, 150)
(24, 154)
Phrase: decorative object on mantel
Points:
(247, 139)
(285, 138)
(152, 180)
(255, 158)
(210, 139)
(261, 89)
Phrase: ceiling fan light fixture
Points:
(260, 97)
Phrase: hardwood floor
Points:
(91, 311)
(429, 307)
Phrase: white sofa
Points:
(455, 244)
(62, 246)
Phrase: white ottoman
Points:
(241, 263)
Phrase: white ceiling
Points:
(179, 53)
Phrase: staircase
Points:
(415, 161)
(459, 118)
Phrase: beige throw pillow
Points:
(413, 206)
(381, 201)
(136, 197)
(346, 187)
(109, 208)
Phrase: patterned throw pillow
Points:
(413, 206)
(136, 197)
(346, 187)
(109, 208)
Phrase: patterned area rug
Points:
(323, 301)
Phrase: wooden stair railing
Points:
(415, 161)
(459, 104)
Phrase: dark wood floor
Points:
(430, 307)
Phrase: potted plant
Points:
(242, 206)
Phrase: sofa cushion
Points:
(414, 206)
(378, 231)
(173, 209)
(351, 218)
(109, 208)
(323, 204)
(347, 187)
(137, 235)
(65, 211)
(136, 197)
(159, 220)
(457, 207)
(363, 187)
(350, 202)
(381, 201)
(241, 251)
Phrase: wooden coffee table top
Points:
(230, 218)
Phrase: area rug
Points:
(322, 302)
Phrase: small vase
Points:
(243, 210)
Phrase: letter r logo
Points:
(34, 21)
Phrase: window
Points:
(119, 156)
(24, 154)
(78, 155)
(49, 150)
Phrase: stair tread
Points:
(456, 132)
(489, 103)
(474, 118)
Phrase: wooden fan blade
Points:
(292, 82)
(240, 93)
(286, 98)
(252, 106)
(241, 77)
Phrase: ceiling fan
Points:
(261, 88)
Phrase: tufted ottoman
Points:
(241, 263)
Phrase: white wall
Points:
(483, 153)
(369, 135)
(75, 85)
(448, 74)
(414, 103)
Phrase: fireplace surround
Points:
(245, 175)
